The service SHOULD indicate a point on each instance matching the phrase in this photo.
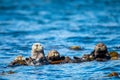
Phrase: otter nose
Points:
(99, 48)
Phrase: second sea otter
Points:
(37, 55)
(100, 52)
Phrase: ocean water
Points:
(58, 24)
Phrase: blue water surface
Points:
(58, 24)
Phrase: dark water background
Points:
(58, 24)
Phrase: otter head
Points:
(19, 58)
(100, 48)
(37, 47)
(53, 55)
(37, 51)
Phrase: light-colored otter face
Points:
(37, 51)
(36, 47)
(53, 53)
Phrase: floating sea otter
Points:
(19, 60)
(100, 52)
(53, 55)
(37, 55)
(55, 58)
(37, 51)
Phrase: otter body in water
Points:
(100, 52)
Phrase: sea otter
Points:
(100, 52)
(19, 60)
(37, 51)
(53, 55)
(37, 54)
(54, 58)
(37, 57)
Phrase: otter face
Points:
(53, 54)
(36, 47)
(100, 48)
(37, 51)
